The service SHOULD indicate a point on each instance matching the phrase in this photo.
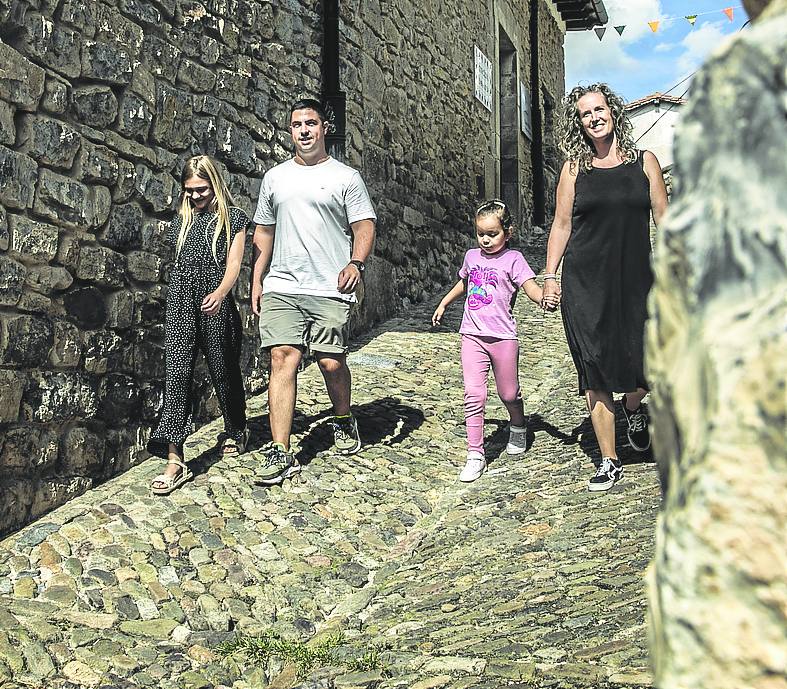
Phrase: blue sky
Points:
(641, 62)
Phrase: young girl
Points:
(491, 276)
(208, 235)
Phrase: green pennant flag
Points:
(600, 32)
(620, 29)
(691, 19)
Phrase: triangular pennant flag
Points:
(691, 19)
(654, 26)
(620, 29)
(730, 12)
(600, 32)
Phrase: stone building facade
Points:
(102, 101)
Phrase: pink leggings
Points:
(478, 353)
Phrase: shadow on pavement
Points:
(386, 421)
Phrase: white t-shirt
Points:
(312, 207)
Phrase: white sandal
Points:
(170, 483)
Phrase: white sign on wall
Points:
(483, 79)
(525, 122)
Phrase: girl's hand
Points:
(437, 316)
(212, 303)
(550, 302)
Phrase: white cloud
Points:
(665, 47)
(698, 44)
(585, 54)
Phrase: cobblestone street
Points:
(521, 579)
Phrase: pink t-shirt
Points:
(492, 284)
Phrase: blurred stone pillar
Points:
(716, 357)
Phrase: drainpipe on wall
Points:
(537, 144)
(333, 97)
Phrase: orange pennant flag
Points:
(730, 11)
(654, 26)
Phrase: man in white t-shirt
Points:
(314, 230)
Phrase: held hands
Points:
(212, 303)
(349, 279)
(551, 295)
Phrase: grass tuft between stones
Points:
(271, 644)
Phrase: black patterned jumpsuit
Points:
(195, 274)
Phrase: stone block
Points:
(114, 28)
(134, 117)
(55, 100)
(33, 240)
(94, 105)
(49, 141)
(161, 58)
(52, 44)
(235, 147)
(97, 163)
(143, 266)
(80, 15)
(12, 279)
(101, 265)
(99, 347)
(124, 229)
(70, 202)
(59, 396)
(36, 303)
(143, 84)
(149, 360)
(120, 307)
(106, 62)
(7, 128)
(18, 175)
(81, 451)
(16, 496)
(172, 123)
(4, 239)
(195, 77)
(21, 81)
(67, 348)
(11, 387)
(149, 306)
(125, 187)
(25, 340)
(54, 492)
(158, 190)
(204, 131)
(130, 149)
(86, 307)
(119, 398)
(232, 87)
(28, 448)
(48, 279)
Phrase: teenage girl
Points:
(490, 276)
(208, 235)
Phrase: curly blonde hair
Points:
(574, 142)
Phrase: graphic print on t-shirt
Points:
(481, 283)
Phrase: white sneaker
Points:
(517, 440)
(475, 466)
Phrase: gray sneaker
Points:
(517, 440)
(277, 465)
(345, 434)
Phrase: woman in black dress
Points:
(606, 194)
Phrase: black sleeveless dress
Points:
(607, 277)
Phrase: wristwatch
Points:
(360, 265)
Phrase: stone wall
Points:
(100, 104)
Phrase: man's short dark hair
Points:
(309, 104)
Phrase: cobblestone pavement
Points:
(522, 579)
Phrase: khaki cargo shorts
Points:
(318, 324)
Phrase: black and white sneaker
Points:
(609, 472)
(637, 432)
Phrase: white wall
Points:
(659, 138)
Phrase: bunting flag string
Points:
(658, 24)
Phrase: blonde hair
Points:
(573, 141)
(500, 210)
(204, 167)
